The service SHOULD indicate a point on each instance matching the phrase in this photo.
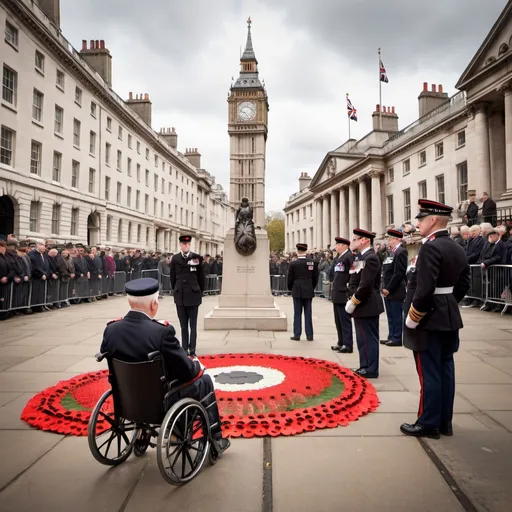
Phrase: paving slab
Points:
(504, 418)
(5, 398)
(88, 364)
(488, 397)
(9, 362)
(31, 381)
(357, 474)
(71, 350)
(10, 413)
(502, 363)
(46, 363)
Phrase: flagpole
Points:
(380, 97)
(348, 117)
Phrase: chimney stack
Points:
(141, 105)
(389, 119)
(99, 58)
(304, 181)
(170, 136)
(430, 100)
(52, 9)
(194, 157)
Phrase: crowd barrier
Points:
(279, 285)
(491, 286)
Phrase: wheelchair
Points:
(133, 413)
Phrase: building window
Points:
(109, 124)
(74, 221)
(146, 203)
(129, 141)
(92, 143)
(109, 227)
(462, 181)
(129, 231)
(439, 150)
(155, 206)
(120, 231)
(59, 120)
(107, 153)
(35, 158)
(129, 197)
(155, 180)
(163, 187)
(137, 200)
(422, 158)
(440, 188)
(75, 174)
(163, 166)
(35, 207)
(57, 166)
(391, 215)
(422, 189)
(78, 96)
(156, 160)
(147, 178)
(461, 139)
(147, 154)
(129, 166)
(6, 145)
(139, 233)
(107, 188)
(11, 34)
(119, 163)
(92, 179)
(147, 236)
(407, 204)
(253, 144)
(138, 147)
(406, 167)
(161, 209)
(37, 106)
(391, 175)
(10, 86)
(76, 132)
(119, 193)
(138, 173)
(60, 80)
(56, 219)
(39, 61)
(120, 133)
(93, 109)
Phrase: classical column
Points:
(334, 217)
(377, 218)
(325, 222)
(343, 218)
(363, 204)
(352, 209)
(318, 224)
(481, 172)
(497, 148)
(508, 141)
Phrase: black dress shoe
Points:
(346, 350)
(336, 348)
(446, 429)
(418, 430)
(394, 344)
(295, 338)
(384, 342)
(310, 339)
(363, 372)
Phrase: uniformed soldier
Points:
(133, 337)
(394, 269)
(188, 282)
(302, 279)
(340, 277)
(365, 304)
(433, 320)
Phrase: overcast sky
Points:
(310, 53)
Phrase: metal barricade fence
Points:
(476, 286)
(212, 285)
(153, 273)
(319, 290)
(498, 280)
(279, 285)
(165, 285)
(120, 279)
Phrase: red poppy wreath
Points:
(257, 394)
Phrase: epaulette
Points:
(163, 322)
(115, 320)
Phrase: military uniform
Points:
(340, 278)
(302, 279)
(188, 282)
(394, 269)
(432, 324)
(365, 306)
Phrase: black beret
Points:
(302, 247)
(364, 233)
(395, 233)
(340, 240)
(141, 287)
(428, 207)
(184, 239)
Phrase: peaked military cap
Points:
(364, 233)
(23, 244)
(340, 240)
(185, 239)
(141, 287)
(395, 233)
(69, 245)
(428, 207)
(302, 247)
(79, 246)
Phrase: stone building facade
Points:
(80, 164)
(457, 144)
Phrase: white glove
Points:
(350, 307)
(410, 323)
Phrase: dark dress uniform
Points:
(394, 269)
(442, 280)
(364, 291)
(133, 337)
(340, 278)
(302, 278)
(188, 282)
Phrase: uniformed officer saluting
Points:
(340, 277)
(433, 320)
(187, 282)
(394, 269)
(302, 279)
(365, 304)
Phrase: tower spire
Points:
(249, 50)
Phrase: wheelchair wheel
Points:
(115, 444)
(183, 442)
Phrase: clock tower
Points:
(247, 128)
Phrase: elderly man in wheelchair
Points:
(157, 391)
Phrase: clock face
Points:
(246, 111)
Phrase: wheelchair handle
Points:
(100, 356)
(152, 356)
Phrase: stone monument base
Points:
(246, 301)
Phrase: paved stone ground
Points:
(368, 465)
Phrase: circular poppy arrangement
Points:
(257, 395)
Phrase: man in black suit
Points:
(365, 304)
(339, 276)
(188, 282)
(133, 337)
(433, 320)
(394, 269)
(40, 275)
(471, 215)
(489, 211)
(302, 279)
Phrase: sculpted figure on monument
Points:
(245, 236)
